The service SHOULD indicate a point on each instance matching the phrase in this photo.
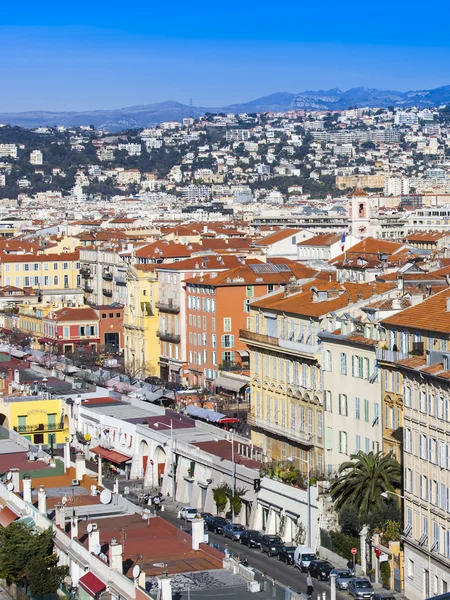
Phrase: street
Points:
(287, 575)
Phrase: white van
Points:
(303, 556)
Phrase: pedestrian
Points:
(309, 586)
(156, 502)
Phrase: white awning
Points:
(229, 383)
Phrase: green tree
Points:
(220, 495)
(27, 558)
(362, 480)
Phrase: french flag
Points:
(343, 238)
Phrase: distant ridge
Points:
(151, 114)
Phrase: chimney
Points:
(74, 526)
(16, 376)
(94, 538)
(26, 487)
(115, 556)
(141, 581)
(10, 375)
(165, 585)
(60, 516)
(42, 501)
(15, 479)
(198, 533)
(80, 466)
(397, 305)
(66, 456)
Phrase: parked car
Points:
(360, 587)
(271, 544)
(188, 513)
(233, 531)
(286, 554)
(215, 524)
(383, 596)
(303, 556)
(320, 569)
(251, 538)
(205, 515)
(343, 576)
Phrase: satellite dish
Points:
(136, 571)
(105, 497)
(97, 549)
(89, 528)
(10, 486)
(9, 476)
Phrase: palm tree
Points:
(362, 480)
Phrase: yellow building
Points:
(34, 269)
(140, 321)
(286, 414)
(30, 320)
(38, 418)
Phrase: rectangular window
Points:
(366, 411)
(227, 341)
(358, 443)
(249, 291)
(357, 408)
(343, 405)
(227, 324)
(343, 442)
(343, 363)
(376, 414)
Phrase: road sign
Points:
(354, 551)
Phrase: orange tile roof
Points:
(303, 303)
(212, 262)
(323, 239)
(277, 237)
(429, 315)
(84, 313)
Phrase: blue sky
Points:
(86, 55)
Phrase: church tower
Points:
(359, 213)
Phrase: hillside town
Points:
(223, 342)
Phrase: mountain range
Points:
(152, 114)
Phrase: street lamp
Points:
(292, 459)
(157, 424)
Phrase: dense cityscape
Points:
(225, 341)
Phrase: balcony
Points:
(107, 293)
(120, 280)
(107, 276)
(258, 338)
(40, 428)
(299, 347)
(89, 289)
(85, 272)
(294, 435)
(232, 366)
(167, 336)
(168, 306)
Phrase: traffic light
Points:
(257, 485)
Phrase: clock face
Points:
(362, 229)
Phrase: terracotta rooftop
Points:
(339, 296)
(153, 542)
(429, 315)
(277, 237)
(323, 239)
